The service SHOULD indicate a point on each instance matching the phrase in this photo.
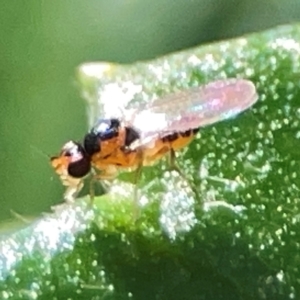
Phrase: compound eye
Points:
(106, 129)
(79, 161)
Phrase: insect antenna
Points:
(40, 152)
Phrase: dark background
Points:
(43, 41)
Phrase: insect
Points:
(147, 133)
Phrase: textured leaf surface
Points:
(237, 238)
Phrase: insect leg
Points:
(92, 187)
(172, 162)
(72, 191)
(175, 167)
(107, 173)
(138, 173)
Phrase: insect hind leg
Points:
(137, 177)
(174, 167)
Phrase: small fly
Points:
(147, 133)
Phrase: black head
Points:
(80, 162)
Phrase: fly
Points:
(146, 134)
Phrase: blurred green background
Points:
(43, 41)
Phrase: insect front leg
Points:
(74, 186)
(107, 172)
(72, 192)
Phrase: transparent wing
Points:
(193, 108)
(107, 97)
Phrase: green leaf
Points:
(228, 229)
